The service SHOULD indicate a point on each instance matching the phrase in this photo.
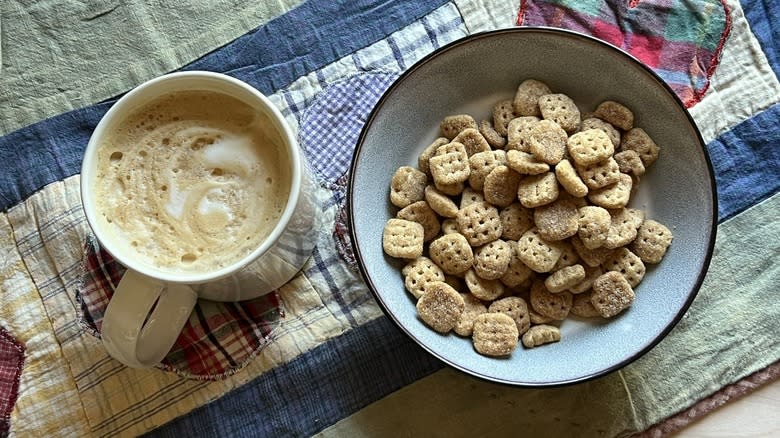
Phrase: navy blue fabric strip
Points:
(764, 19)
(747, 163)
(315, 34)
(315, 390)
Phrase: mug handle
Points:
(130, 333)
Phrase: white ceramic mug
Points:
(132, 334)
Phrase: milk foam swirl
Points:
(193, 182)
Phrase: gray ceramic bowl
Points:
(469, 76)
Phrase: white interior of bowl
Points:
(470, 76)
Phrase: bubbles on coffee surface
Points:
(192, 181)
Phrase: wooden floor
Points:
(756, 415)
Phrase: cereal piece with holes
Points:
(450, 165)
(569, 180)
(487, 290)
(500, 187)
(591, 274)
(630, 162)
(451, 126)
(568, 256)
(442, 204)
(615, 114)
(418, 273)
(628, 264)
(495, 334)
(611, 294)
(472, 140)
(594, 223)
(440, 307)
(591, 256)
(421, 213)
(518, 133)
(492, 260)
(537, 253)
(452, 253)
(557, 220)
(526, 101)
(540, 335)
(598, 175)
(503, 113)
(537, 190)
(525, 163)
(623, 226)
(652, 240)
(494, 139)
(473, 308)
(560, 109)
(564, 278)
(515, 308)
(428, 152)
(515, 220)
(481, 164)
(479, 223)
(407, 186)
(517, 272)
(595, 123)
(547, 142)
(639, 141)
(614, 196)
(470, 196)
(403, 239)
(590, 147)
(546, 303)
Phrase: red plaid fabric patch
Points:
(681, 40)
(219, 338)
(11, 361)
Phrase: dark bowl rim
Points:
(490, 34)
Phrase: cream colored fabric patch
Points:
(105, 48)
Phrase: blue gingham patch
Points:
(331, 125)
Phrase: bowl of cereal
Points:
(532, 206)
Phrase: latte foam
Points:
(193, 181)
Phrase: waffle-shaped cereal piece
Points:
(491, 261)
(515, 220)
(591, 256)
(546, 303)
(452, 253)
(626, 263)
(639, 141)
(595, 123)
(470, 196)
(525, 163)
(569, 179)
(590, 147)
(450, 165)
(494, 139)
(526, 102)
(594, 224)
(418, 273)
(403, 239)
(539, 319)
(421, 213)
(591, 274)
(440, 306)
(615, 114)
(518, 132)
(481, 164)
(487, 290)
(564, 278)
(515, 308)
(472, 140)
(494, 334)
(560, 109)
(503, 113)
(537, 253)
(540, 335)
(623, 226)
(582, 306)
(630, 162)
(440, 203)
(611, 294)
(407, 186)
(500, 186)
(652, 241)
(537, 190)
(449, 226)
(557, 220)
(424, 158)
(479, 223)
(568, 256)
(451, 126)
(547, 141)
(517, 272)
(615, 196)
(473, 308)
(453, 189)
(599, 175)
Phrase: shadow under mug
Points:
(151, 305)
